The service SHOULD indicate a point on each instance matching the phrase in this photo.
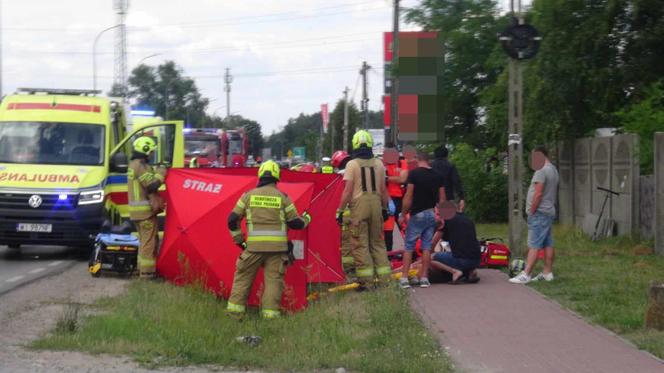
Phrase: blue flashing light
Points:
(62, 197)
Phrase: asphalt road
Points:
(30, 263)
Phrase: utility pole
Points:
(228, 79)
(345, 119)
(365, 95)
(120, 70)
(394, 88)
(515, 145)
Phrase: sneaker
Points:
(414, 281)
(424, 282)
(403, 282)
(521, 278)
(544, 277)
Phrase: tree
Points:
(172, 95)
(337, 122)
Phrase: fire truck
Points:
(202, 147)
(211, 147)
(234, 148)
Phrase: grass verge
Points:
(160, 324)
(606, 282)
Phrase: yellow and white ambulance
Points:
(63, 164)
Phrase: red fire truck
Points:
(234, 148)
(212, 147)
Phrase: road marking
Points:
(37, 270)
(14, 279)
(53, 264)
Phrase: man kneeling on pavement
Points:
(464, 258)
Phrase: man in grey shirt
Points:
(541, 211)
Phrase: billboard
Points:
(419, 64)
(378, 136)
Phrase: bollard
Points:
(655, 310)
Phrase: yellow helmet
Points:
(362, 137)
(270, 167)
(144, 145)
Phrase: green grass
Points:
(161, 324)
(606, 282)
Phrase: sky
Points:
(286, 56)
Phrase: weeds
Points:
(68, 322)
(162, 324)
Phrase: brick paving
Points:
(496, 326)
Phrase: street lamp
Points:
(94, 54)
(145, 58)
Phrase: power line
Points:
(273, 45)
(224, 21)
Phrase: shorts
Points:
(421, 225)
(539, 231)
(461, 264)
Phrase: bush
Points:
(484, 183)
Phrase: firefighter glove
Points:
(340, 216)
(306, 217)
(291, 256)
(242, 245)
(385, 215)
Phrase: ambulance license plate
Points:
(32, 227)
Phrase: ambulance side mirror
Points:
(119, 162)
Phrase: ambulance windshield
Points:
(51, 143)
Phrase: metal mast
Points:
(120, 66)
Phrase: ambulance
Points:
(63, 164)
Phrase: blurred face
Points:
(409, 152)
(390, 156)
(537, 160)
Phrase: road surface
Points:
(30, 263)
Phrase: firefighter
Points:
(268, 212)
(397, 174)
(327, 168)
(145, 203)
(365, 193)
(339, 160)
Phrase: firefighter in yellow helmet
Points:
(366, 193)
(145, 203)
(326, 168)
(269, 213)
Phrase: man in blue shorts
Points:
(424, 190)
(464, 259)
(541, 210)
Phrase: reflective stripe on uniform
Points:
(270, 314)
(383, 270)
(347, 260)
(140, 206)
(250, 223)
(267, 239)
(232, 307)
(268, 202)
(237, 232)
(290, 208)
(364, 272)
(240, 204)
(267, 233)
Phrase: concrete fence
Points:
(607, 162)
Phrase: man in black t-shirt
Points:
(424, 190)
(465, 256)
(450, 175)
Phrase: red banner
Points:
(325, 115)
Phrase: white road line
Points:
(37, 270)
(14, 279)
(53, 264)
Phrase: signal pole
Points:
(345, 119)
(228, 79)
(394, 88)
(515, 145)
(365, 95)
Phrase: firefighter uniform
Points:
(268, 213)
(346, 243)
(144, 204)
(367, 175)
(327, 168)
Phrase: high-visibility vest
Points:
(395, 189)
(327, 169)
(266, 210)
(140, 175)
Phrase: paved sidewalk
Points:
(484, 329)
